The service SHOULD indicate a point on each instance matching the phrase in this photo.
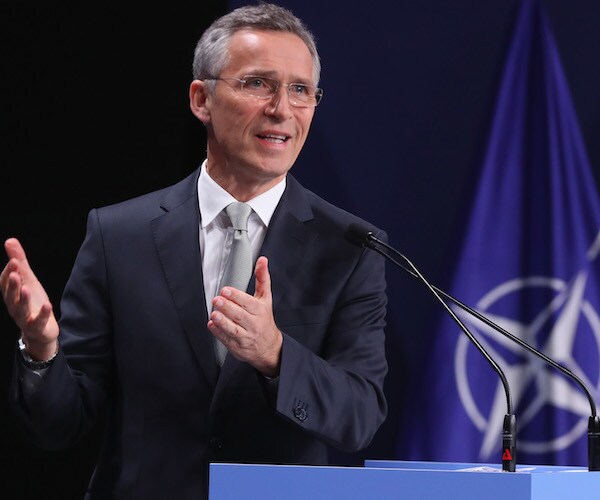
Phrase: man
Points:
(305, 359)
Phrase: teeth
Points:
(275, 138)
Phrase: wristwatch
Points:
(29, 362)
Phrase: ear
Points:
(199, 101)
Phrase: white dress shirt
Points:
(216, 231)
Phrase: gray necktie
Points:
(239, 264)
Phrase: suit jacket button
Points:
(300, 413)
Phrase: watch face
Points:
(26, 357)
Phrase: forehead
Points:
(273, 52)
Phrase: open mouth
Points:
(274, 138)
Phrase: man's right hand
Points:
(28, 303)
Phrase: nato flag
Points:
(529, 261)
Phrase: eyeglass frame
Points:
(318, 92)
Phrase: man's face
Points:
(253, 141)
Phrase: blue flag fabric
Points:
(529, 261)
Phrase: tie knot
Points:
(239, 212)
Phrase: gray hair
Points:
(212, 50)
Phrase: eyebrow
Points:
(273, 74)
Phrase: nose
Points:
(279, 104)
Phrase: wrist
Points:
(35, 362)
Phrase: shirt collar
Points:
(213, 199)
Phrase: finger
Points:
(226, 304)
(216, 324)
(21, 303)
(233, 296)
(222, 328)
(9, 274)
(11, 294)
(14, 249)
(263, 278)
(41, 320)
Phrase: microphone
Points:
(362, 236)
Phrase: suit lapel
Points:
(177, 242)
(288, 238)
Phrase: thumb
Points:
(263, 278)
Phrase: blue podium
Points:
(394, 480)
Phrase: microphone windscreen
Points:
(358, 234)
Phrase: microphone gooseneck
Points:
(363, 237)
(369, 240)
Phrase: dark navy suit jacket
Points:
(135, 350)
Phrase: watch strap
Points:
(29, 362)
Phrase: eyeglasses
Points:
(300, 95)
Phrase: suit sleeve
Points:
(68, 402)
(336, 392)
